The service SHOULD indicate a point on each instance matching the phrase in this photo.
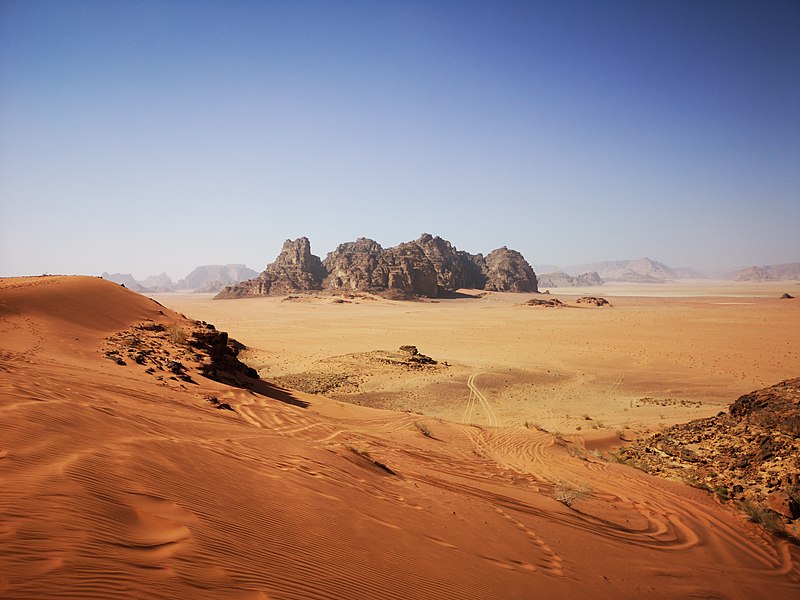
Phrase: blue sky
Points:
(148, 136)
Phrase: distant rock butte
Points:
(782, 272)
(428, 267)
(215, 277)
(125, 279)
(561, 279)
(643, 270)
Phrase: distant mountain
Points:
(560, 279)
(125, 279)
(689, 273)
(158, 283)
(782, 272)
(643, 270)
(215, 277)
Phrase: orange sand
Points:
(113, 484)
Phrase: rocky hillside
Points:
(429, 267)
(561, 279)
(643, 270)
(787, 271)
(749, 454)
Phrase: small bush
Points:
(768, 519)
(424, 429)
(568, 494)
(176, 334)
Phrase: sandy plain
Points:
(660, 354)
(119, 482)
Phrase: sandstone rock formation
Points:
(158, 283)
(643, 270)
(455, 269)
(508, 271)
(595, 300)
(429, 267)
(356, 266)
(295, 269)
(786, 271)
(561, 279)
(547, 303)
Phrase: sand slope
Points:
(115, 484)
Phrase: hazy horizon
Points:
(162, 135)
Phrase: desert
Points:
(488, 476)
(346, 300)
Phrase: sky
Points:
(145, 136)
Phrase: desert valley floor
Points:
(125, 472)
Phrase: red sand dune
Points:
(115, 484)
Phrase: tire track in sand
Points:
(476, 395)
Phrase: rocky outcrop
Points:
(455, 269)
(508, 271)
(295, 269)
(750, 454)
(429, 267)
(787, 271)
(410, 271)
(356, 266)
(593, 300)
(561, 279)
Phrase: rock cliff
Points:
(356, 266)
(295, 269)
(508, 271)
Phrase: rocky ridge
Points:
(643, 270)
(787, 271)
(203, 279)
(429, 267)
(750, 454)
(561, 279)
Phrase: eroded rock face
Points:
(295, 269)
(446, 260)
(508, 271)
(426, 267)
(356, 266)
(410, 271)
